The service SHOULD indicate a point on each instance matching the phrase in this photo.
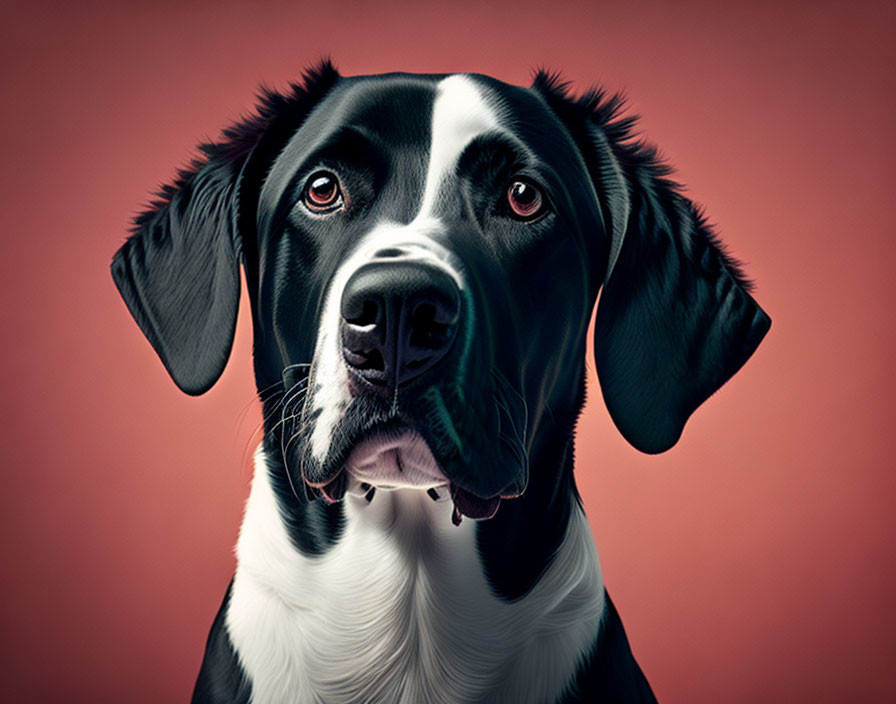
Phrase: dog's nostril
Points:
(424, 313)
(367, 313)
(436, 310)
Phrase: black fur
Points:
(675, 318)
(610, 675)
(221, 678)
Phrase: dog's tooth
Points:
(433, 494)
(456, 518)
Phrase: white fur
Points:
(459, 115)
(399, 611)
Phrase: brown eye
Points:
(525, 200)
(322, 192)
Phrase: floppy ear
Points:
(179, 273)
(675, 319)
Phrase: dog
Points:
(423, 254)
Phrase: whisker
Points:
(499, 402)
(242, 415)
(513, 439)
(294, 393)
(256, 435)
(515, 448)
(283, 450)
(283, 421)
(504, 383)
(278, 385)
(297, 365)
(265, 396)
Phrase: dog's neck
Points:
(516, 545)
(399, 608)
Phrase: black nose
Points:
(398, 320)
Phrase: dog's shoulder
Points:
(611, 674)
(221, 678)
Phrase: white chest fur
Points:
(399, 610)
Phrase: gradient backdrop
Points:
(752, 563)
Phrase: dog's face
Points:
(423, 254)
(432, 225)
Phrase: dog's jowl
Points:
(423, 254)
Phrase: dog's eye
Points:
(322, 193)
(525, 200)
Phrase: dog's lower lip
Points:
(397, 457)
(333, 490)
(468, 504)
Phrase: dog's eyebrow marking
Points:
(460, 113)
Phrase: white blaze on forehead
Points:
(459, 115)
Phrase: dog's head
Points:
(423, 254)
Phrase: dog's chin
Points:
(399, 458)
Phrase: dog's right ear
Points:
(179, 271)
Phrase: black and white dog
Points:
(423, 254)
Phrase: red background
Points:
(754, 562)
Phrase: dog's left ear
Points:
(179, 272)
(675, 318)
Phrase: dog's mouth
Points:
(390, 459)
(397, 459)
